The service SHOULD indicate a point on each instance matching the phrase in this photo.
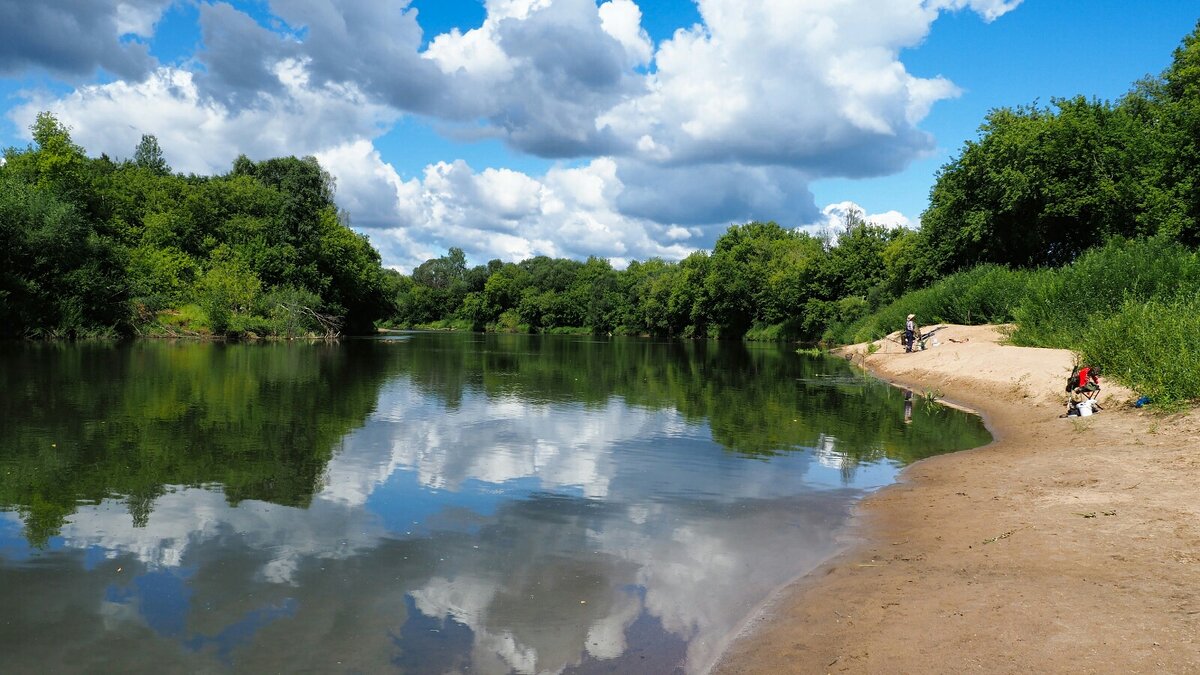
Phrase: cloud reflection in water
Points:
(499, 534)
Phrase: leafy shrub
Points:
(250, 325)
(1059, 304)
(568, 330)
(985, 294)
(1150, 347)
(773, 332)
(226, 289)
(189, 318)
(160, 277)
(291, 312)
(509, 321)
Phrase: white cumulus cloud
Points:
(202, 135)
(663, 145)
(832, 220)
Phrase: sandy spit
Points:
(1067, 545)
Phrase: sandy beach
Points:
(1067, 545)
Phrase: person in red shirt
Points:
(1089, 381)
(1085, 387)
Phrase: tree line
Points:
(102, 246)
(758, 277)
(96, 246)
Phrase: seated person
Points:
(1089, 381)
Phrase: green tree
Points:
(502, 290)
(1041, 185)
(1175, 116)
(594, 297)
(61, 274)
(645, 290)
(149, 156)
(793, 275)
(356, 286)
(93, 246)
(737, 275)
(855, 266)
(227, 289)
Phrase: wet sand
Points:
(1067, 545)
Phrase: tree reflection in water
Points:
(441, 502)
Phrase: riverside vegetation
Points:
(1078, 221)
(92, 246)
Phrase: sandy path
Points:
(1068, 545)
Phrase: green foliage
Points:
(59, 166)
(161, 277)
(290, 312)
(736, 281)
(352, 278)
(985, 294)
(89, 246)
(1041, 186)
(228, 289)
(437, 289)
(773, 332)
(509, 322)
(149, 156)
(445, 324)
(188, 319)
(1058, 304)
(59, 276)
(856, 265)
(1173, 108)
(1149, 346)
(759, 275)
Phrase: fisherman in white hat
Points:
(910, 333)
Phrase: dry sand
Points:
(1067, 545)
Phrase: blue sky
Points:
(1040, 51)
(619, 128)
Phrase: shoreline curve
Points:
(1064, 545)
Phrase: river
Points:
(425, 502)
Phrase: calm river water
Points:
(428, 503)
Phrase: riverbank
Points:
(1067, 545)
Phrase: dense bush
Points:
(1098, 284)
(985, 294)
(92, 246)
(1149, 347)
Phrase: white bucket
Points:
(1085, 408)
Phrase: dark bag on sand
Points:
(1073, 381)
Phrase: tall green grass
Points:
(985, 294)
(1058, 306)
(773, 332)
(1149, 347)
